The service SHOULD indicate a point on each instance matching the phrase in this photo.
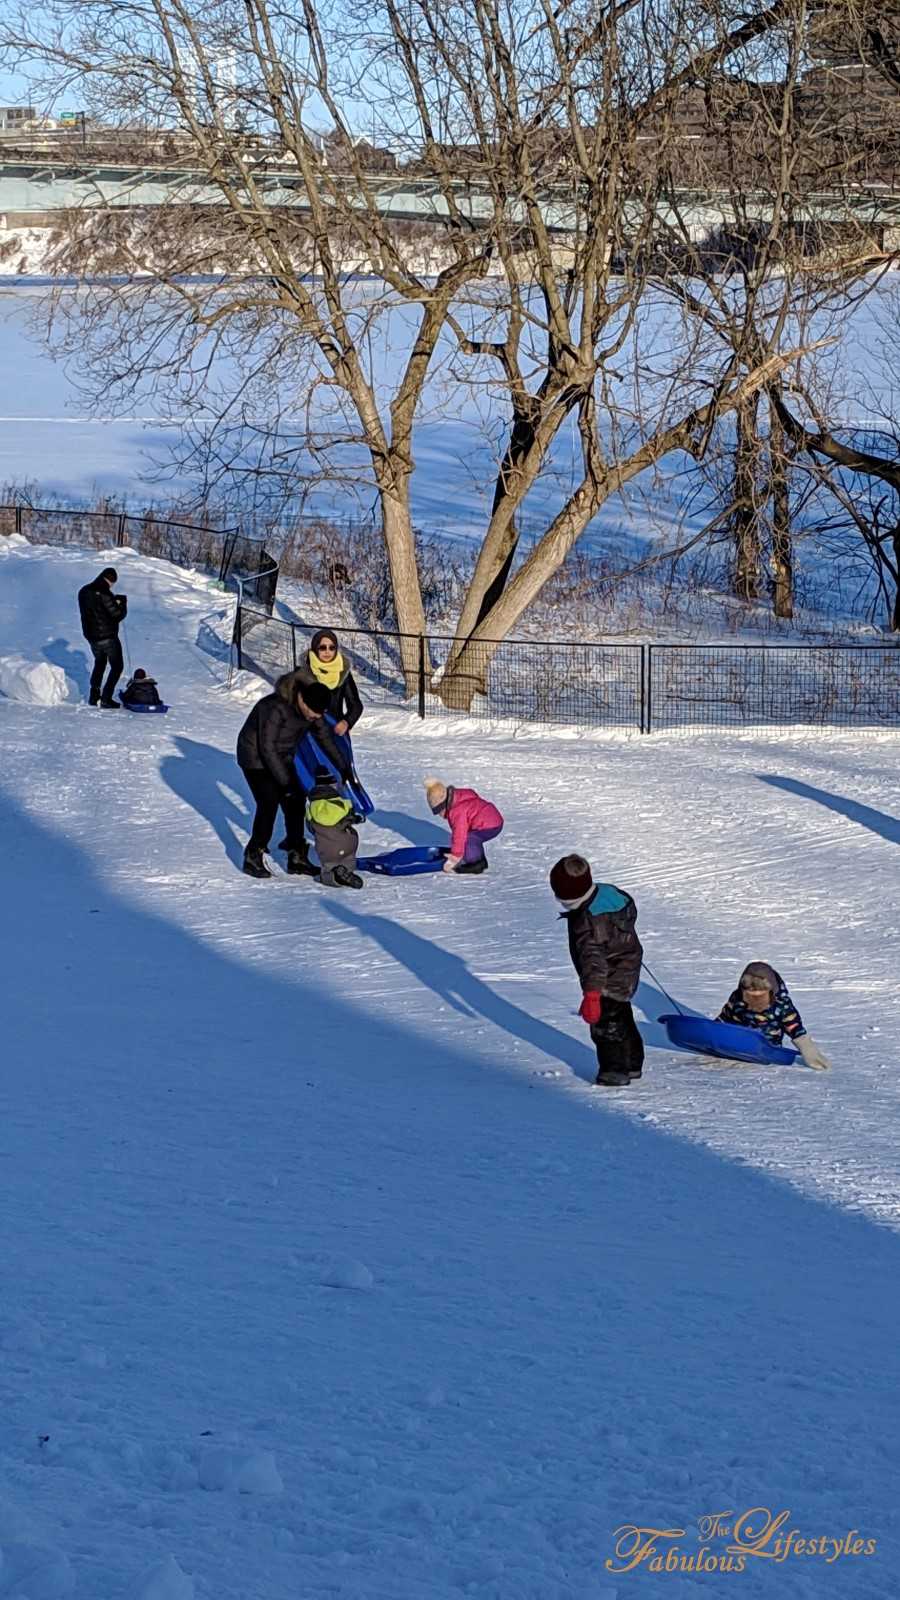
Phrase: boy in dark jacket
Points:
(761, 1001)
(140, 690)
(606, 953)
(331, 820)
(101, 612)
(266, 747)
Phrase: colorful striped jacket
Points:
(779, 1018)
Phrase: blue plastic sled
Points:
(405, 863)
(727, 1040)
(310, 755)
(156, 709)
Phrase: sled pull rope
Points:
(127, 651)
(662, 989)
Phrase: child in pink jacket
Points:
(472, 821)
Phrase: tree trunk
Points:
(467, 673)
(520, 442)
(745, 523)
(782, 540)
(401, 550)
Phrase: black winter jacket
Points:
(141, 692)
(605, 949)
(269, 738)
(101, 611)
(345, 702)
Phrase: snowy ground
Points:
(326, 1272)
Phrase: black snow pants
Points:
(620, 1047)
(269, 794)
(107, 653)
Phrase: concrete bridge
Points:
(31, 190)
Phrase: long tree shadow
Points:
(880, 822)
(60, 653)
(200, 774)
(453, 983)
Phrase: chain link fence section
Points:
(588, 684)
(561, 682)
(766, 686)
(232, 555)
(642, 688)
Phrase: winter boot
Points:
(612, 1080)
(341, 878)
(110, 705)
(473, 866)
(93, 699)
(299, 865)
(254, 863)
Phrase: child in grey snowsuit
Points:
(761, 1001)
(331, 820)
(606, 953)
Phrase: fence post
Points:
(18, 519)
(422, 676)
(294, 646)
(648, 698)
(643, 719)
(237, 633)
(120, 531)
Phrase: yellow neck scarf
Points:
(327, 672)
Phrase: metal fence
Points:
(643, 688)
(235, 557)
(739, 686)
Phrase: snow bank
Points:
(28, 1572)
(35, 683)
(164, 1581)
(250, 1472)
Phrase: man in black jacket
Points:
(265, 751)
(101, 613)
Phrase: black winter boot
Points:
(473, 866)
(612, 1080)
(110, 705)
(341, 879)
(254, 863)
(93, 699)
(299, 865)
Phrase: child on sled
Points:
(761, 1001)
(140, 690)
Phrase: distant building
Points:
(13, 118)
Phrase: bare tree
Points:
(548, 140)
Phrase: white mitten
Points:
(451, 863)
(811, 1053)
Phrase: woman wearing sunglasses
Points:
(324, 664)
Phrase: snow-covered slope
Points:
(326, 1272)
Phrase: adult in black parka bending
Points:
(265, 751)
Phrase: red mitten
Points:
(591, 1005)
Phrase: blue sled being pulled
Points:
(725, 1039)
(405, 863)
(129, 707)
(310, 755)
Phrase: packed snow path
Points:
(326, 1272)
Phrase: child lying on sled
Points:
(761, 1001)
